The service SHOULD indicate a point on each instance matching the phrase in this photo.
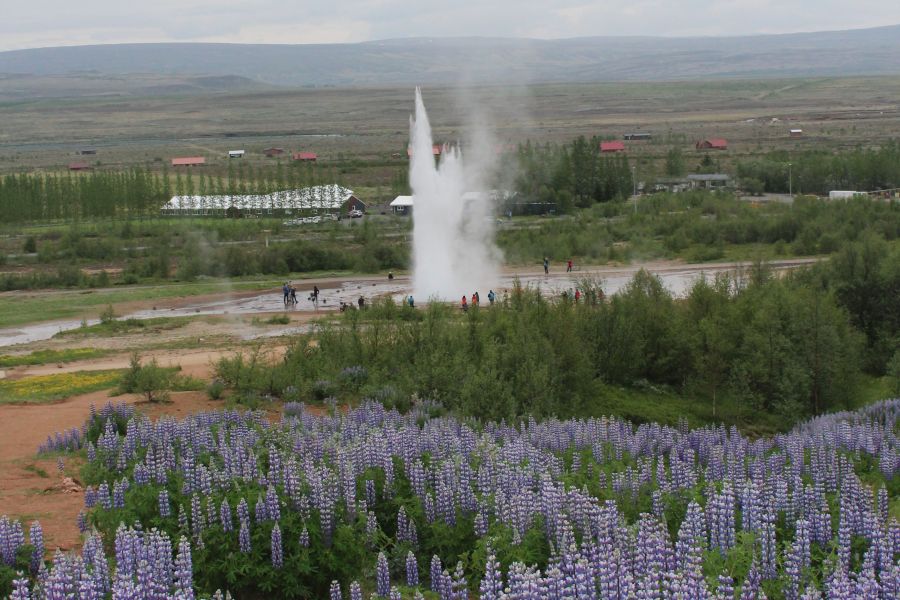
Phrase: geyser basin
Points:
(453, 231)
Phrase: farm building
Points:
(188, 161)
(606, 147)
(322, 198)
(844, 194)
(402, 205)
(708, 181)
(235, 154)
(436, 150)
(305, 156)
(637, 136)
(795, 133)
(712, 144)
(270, 152)
(79, 166)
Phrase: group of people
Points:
(476, 300)
(361, 303)
(290, 294)
(569, 266)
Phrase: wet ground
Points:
(678, 278)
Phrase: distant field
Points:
(372, 123)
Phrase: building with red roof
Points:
(612, 146)
(188, 161)
(305, 156)
(435, 150)
(712, 144)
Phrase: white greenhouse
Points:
(312, 200)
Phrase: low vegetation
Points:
(758, 348)
(51, 388)
(44, 357)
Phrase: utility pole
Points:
(634, 185)
(791, 183)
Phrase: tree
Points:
(149, 380)
(674, 162)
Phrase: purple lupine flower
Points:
(355, 591)
(435, 574)
(395, 594)
(36, 535)
(81, 521)
(165, 508)
(334, 592)
(491, 586)
(244, 538)
(277, 552)
(458, 584)
(20, 589)
(304, 537)
(412, 570)
(225, 516)
(382, 576)
(184, 577)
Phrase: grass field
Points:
(345, 125)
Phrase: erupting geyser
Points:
(453, 232)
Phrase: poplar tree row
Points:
(138, 192)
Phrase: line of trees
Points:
(818, 171)
(138, 192)
(572, 175)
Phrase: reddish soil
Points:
(26, 493)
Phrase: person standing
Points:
(287, 292)
(315, 294)
(411, 302)
(491, 297)
(546, 265)
(569, 266)
(293, 295)
(361, 302)
(465, 304)
(577, 295)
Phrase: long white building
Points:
(320, 198)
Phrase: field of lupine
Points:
(373, 502)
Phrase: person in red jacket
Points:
(465, 304)
(569, 266)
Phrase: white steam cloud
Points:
(453, 216)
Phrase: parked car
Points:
(355, 214)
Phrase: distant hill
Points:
(482, 60)
(93, 84)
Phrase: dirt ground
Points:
(31, 485)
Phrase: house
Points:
(270, 152)
(795, 133)
(305, 156)
(79, 166)
(708, 181)
(712, 144)
(637, 136)
(402, 205)
(612, 147)
(235, 154)
(436, 150)
(87, 151)
(188, 161)
(353, 203)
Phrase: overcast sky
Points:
(38, 23)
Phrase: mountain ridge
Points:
(477, 60)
